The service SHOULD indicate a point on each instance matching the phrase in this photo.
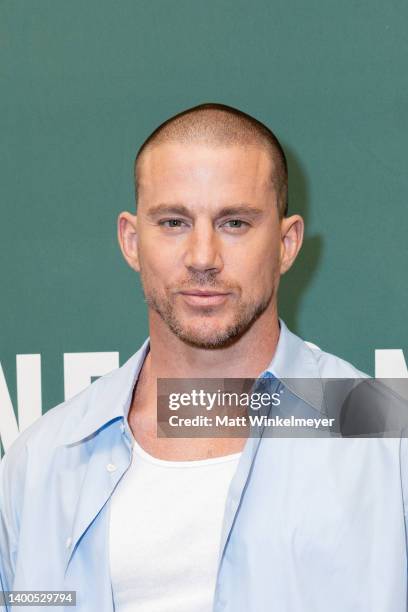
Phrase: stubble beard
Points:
(245, 316)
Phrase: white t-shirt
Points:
(165, 529)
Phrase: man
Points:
(93, 501)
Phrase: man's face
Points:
(208, 239)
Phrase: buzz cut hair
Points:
(221, 125)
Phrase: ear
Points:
(292, 230)
(127, 237)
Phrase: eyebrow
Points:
(180, 209)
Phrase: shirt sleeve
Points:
(12, 470)
(5, 569)
(404, 485)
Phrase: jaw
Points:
(209, 327)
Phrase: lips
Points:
(203, 293)
(199, 297)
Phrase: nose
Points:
(203, 249)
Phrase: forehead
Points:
(177, 170)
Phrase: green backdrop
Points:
(83, 84)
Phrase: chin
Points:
(217, 337)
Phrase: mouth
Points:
(199, 297)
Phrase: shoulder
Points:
(76, 418)
(55, 426)
(43, 436)
(86, 412)
(34, 456)
(51, 428)
(331, 366)
(297, 358)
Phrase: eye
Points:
(236, 224)
(171, 223)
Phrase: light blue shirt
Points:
(310, 525)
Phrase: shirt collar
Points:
(109, 398)
(293, 362)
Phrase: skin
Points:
(182, 240)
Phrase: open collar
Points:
(109, 398)
(295, 365)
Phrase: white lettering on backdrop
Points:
(79, 368)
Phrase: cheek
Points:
(255, 268)
(155, 260)
(158, 270)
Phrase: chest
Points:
(319, 522)
(164, 532)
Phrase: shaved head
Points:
(221, 126)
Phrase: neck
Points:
(251, 354)
(170, 357)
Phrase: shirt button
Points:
(68, 542)
(111, 467)
(122, 427)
